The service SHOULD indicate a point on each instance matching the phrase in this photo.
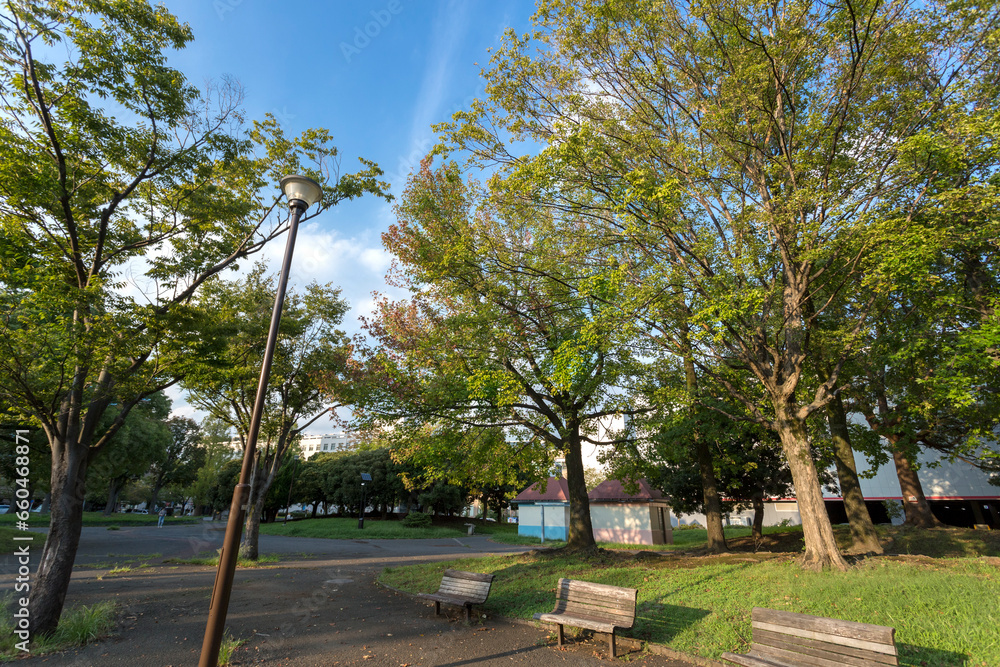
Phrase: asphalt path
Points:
(320, 606)
(101, 545)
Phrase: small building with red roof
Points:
(620, 517)
(642, 517)
(544, 512)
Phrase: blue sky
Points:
(376, 74)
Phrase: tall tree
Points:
(115, 170)
(478, 459)
(214, 439)
(181, 460)
(733, 153)
(140, 443)
(310, 349)
(489, 339)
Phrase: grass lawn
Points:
(7, 543)
(39, 520)
(375, 529)
(946, 610)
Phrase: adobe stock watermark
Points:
(363, 35)
(223, 7)
(22, 505)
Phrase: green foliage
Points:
(417, 520)
(228, 647)
(77, 627)
(126, 190)
(442, 498)
(341, 480)
(141, 442)
(496, 364)
(764, 176)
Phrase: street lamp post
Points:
(302, 193)
(365, 477)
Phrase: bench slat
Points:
(788, 639)
(874, 647)
(849, 655)
(878, 634)
(471, 576)
(812, 658)
(747, 660)
(597, 625)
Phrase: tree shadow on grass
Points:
(660, 623)
(924, 656)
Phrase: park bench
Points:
(787, 639)
(463, 589)
(597, 607)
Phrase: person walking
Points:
(163, 515)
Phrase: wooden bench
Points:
(463, 589)
(786, 639)
(597, 607)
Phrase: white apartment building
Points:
(310, 445)
(327, 442)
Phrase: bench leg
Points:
(437, 608)
(468, 613)
(611, 643)
(559, 634)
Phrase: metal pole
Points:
(361, 514)
(234, 528)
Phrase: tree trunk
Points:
(315, 507)
(249, 548)
(581, 531)
(154, 497)
(915, 505)
(863, 536)
(55, 566)
(706, 466)
(758, 515)
(821, 545)
(199, 510)
(114, 489)
(711, 498)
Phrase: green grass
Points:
(8, 544)
(347, 529)
(91, 519)
(684, 538)
(946, 612)
(262, 561)
(227, 648)
(78, 626)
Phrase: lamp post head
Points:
(301, 191)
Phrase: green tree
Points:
(116, 168)
(141, 442)
(478, 459)
(731, 157)
(216, 452)
(181, 460)
(309, 349)
(342, 480)
(492, 336)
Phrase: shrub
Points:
(417, 520)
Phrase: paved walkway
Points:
(323, 609)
